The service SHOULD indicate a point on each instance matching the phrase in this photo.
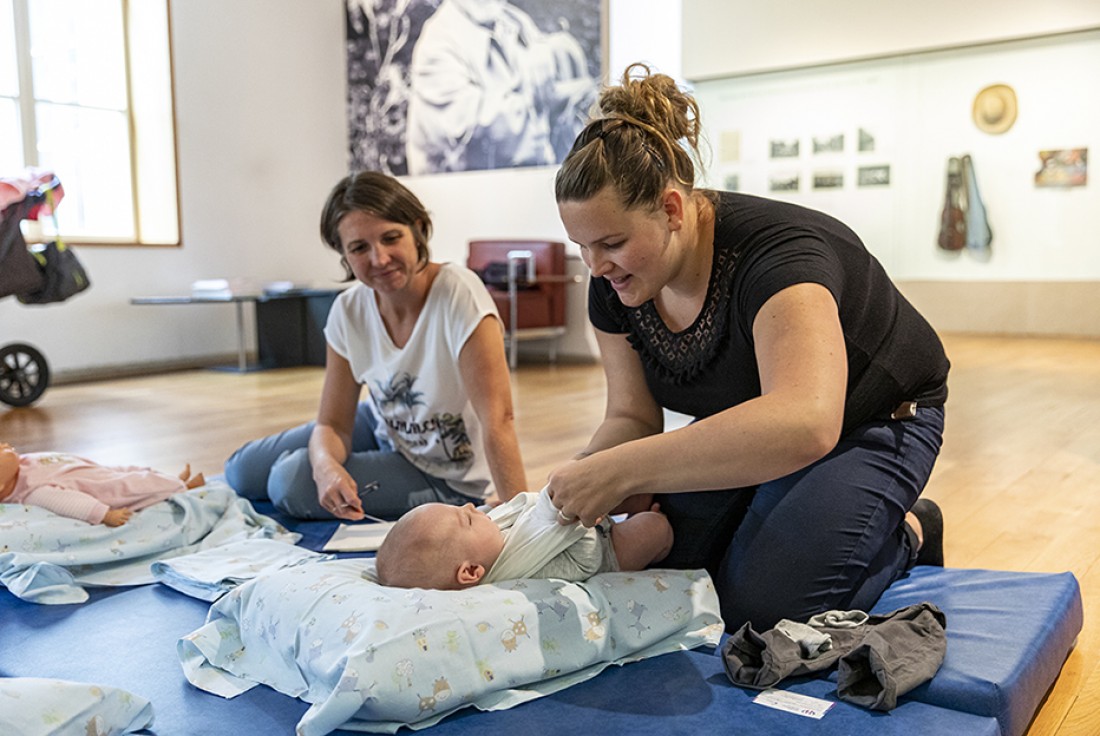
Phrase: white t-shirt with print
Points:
(417, 391)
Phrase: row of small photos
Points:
(791, 148)
(866, 176)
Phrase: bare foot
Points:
(185, 474)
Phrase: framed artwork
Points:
(873, 176)
(784, 148)
(783, 183)
(436, 86)
(829, 144)
(1063, 168)
(828, 179)
(866, 141)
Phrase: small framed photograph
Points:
(828, 179)
(829, 144)
(729, 146)
(783, 183)
(785, 148)
(866, 141)
(873, 176)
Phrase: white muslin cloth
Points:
(537, 546)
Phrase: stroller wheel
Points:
(24, 374)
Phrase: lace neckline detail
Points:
(678, 357)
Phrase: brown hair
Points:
(633, 142)
(379, 195)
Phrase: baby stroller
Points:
(36, 275)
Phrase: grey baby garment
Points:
(879, 658)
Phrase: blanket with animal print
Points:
(47, 558)
(374, 658)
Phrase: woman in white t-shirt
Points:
(426, 341)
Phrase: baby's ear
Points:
(470, 573)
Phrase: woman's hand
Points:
(595, 482)
(330, 441)
(586, 490)
(337, 492)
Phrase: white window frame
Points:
(150, 109)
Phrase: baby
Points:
(81, 489)
(453, 547)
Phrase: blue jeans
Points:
(278, 467)
(831, 536)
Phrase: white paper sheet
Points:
(358, 537)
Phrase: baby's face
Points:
(471, 531)
(9, 469)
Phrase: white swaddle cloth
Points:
(534, 538)
(208, 574)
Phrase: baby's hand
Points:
(117, 517)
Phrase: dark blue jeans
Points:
(831, 536)
(278, 467)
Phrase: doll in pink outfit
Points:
(81, 489)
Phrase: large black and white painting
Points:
(458, 85)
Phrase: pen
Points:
(367, 488)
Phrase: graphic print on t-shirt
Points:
(398, 400)
(399, 391)
(456, 442)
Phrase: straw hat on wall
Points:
(995, 109)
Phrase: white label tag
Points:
(802, 705)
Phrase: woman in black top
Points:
(817, 389)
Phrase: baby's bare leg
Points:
(634, 504)
(641, 540)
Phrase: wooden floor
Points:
(1018, 479)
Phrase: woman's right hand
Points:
(330, 442)
(338, 493)
(586, 489)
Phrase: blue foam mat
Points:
(1008, 635)
(126, 638)
(688, 693)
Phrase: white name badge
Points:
(802, 705)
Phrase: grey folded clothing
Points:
(878, 660)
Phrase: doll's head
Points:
(439, 546)
(9, 469)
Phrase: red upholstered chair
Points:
(534, 296)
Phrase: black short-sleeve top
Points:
(761, 247)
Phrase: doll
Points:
(81, 489)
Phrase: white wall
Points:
(260, 107)
(260, 90)
(725, 37)
(919, 109)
